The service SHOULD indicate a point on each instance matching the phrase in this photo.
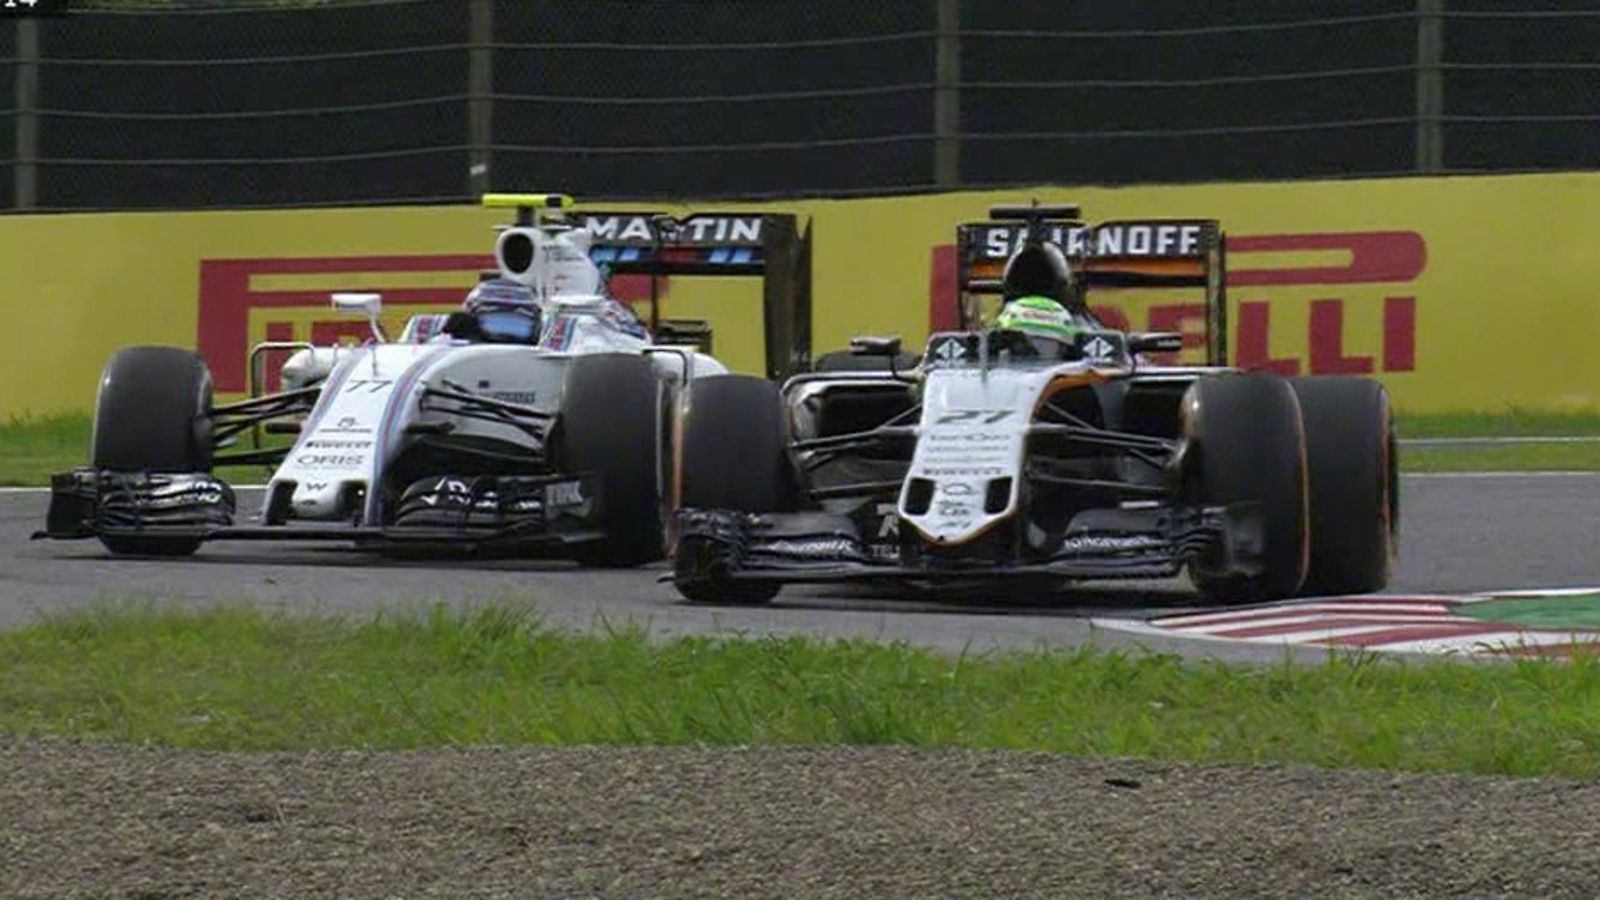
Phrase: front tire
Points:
(153, 414)
(732, 454)
(1246, 430)
(1354, 492)
(609, 425)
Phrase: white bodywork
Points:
(373, 392)
(974, 429)
(557, 264)
(342, 444)
(307, 367)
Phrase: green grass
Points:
(1511, 421)
(32, 448)
(35, 447)
(1579, 457)
(1514, 458)
(242, 679)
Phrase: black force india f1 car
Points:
(536, 423)
(1004, 454)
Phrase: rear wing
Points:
(772, 246)
(1131, 253)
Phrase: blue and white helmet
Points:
(506, 310)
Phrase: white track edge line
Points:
(1537, 473)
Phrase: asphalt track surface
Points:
(1459, 534)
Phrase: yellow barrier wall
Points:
(1460, 293)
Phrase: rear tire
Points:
(1246, 430)
(732, 455)
(609, 425)
(1354, 489)
(153, 414)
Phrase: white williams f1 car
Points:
(534, 418)
(1040, 446)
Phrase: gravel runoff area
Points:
(104, 820)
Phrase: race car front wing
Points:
(1157, 542)
(477, 511)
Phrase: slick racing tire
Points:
(732, 455)
(845, 361)
(609, 424)
(153, 414)
(1248, 446)
(1354, 489)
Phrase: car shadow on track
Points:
(1124, 600)
(1128, 600)
(332, 557)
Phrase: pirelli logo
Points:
(1323, 302)
(1347, 275)
(1366, 267)
(244, 301)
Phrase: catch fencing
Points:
(427, 101)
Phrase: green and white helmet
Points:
(1040, 316)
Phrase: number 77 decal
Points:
(984, 416)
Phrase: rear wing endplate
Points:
(1129, 253)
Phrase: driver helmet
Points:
(506, 311)
(1040, 270)
(1039, 316)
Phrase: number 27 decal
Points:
(981, 416)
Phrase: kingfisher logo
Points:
(246, 301)
(1358, 269)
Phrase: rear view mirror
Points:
(875, 346)
(685, 332)
(367, 304)
(1155, 342)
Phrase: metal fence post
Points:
(1430, 86)
(480, 88)
(25, 168)
(947, 95)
